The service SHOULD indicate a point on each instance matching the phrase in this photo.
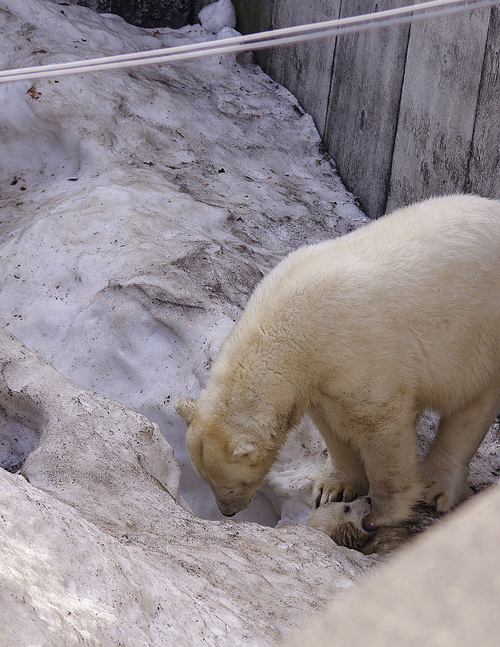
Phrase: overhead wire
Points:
(256, 41)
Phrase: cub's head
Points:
(233, 465)
(345, 523)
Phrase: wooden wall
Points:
(407, 112)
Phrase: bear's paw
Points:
(329, 488)
(446, 495)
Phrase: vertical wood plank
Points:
(364, 102)
(438, 107)
(253, 16)
(484, 167)
(305, 68)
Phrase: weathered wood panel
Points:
(438, 107)
(406, 112)
(364, 103)
(484, 166)
(253, 16)
(305, 68)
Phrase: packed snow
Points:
(138, 210)
(97, 547)
(218, 15)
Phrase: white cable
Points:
(260, 40)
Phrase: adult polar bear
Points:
(362, 333)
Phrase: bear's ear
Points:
(186, 408)
(250, 451)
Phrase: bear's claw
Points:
(334, 496)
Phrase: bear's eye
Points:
(346, 509)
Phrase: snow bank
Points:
(96, 547)
(139, 208)
(218, 15)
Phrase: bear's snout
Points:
(227, 511)
(230, 509)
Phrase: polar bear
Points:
(345, 523)
(362, 333)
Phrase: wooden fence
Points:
(407, 112)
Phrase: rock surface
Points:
(97, 549)
(150, 13)
(441, 592)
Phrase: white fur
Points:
(363, 332)
(343, 522)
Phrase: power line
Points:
(260, 40)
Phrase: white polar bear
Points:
(362, 333)
(345, 524)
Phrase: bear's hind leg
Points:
(446, 467)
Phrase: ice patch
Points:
(214, 17)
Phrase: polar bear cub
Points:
(345, 523)
(362, 333)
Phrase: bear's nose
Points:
(369, 500)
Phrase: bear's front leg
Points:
(391, 461)
(342, 476)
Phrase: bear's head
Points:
(232, 463)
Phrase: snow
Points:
(218, 15)
(97, 547)
(138, 210)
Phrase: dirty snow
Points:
(139, 208)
